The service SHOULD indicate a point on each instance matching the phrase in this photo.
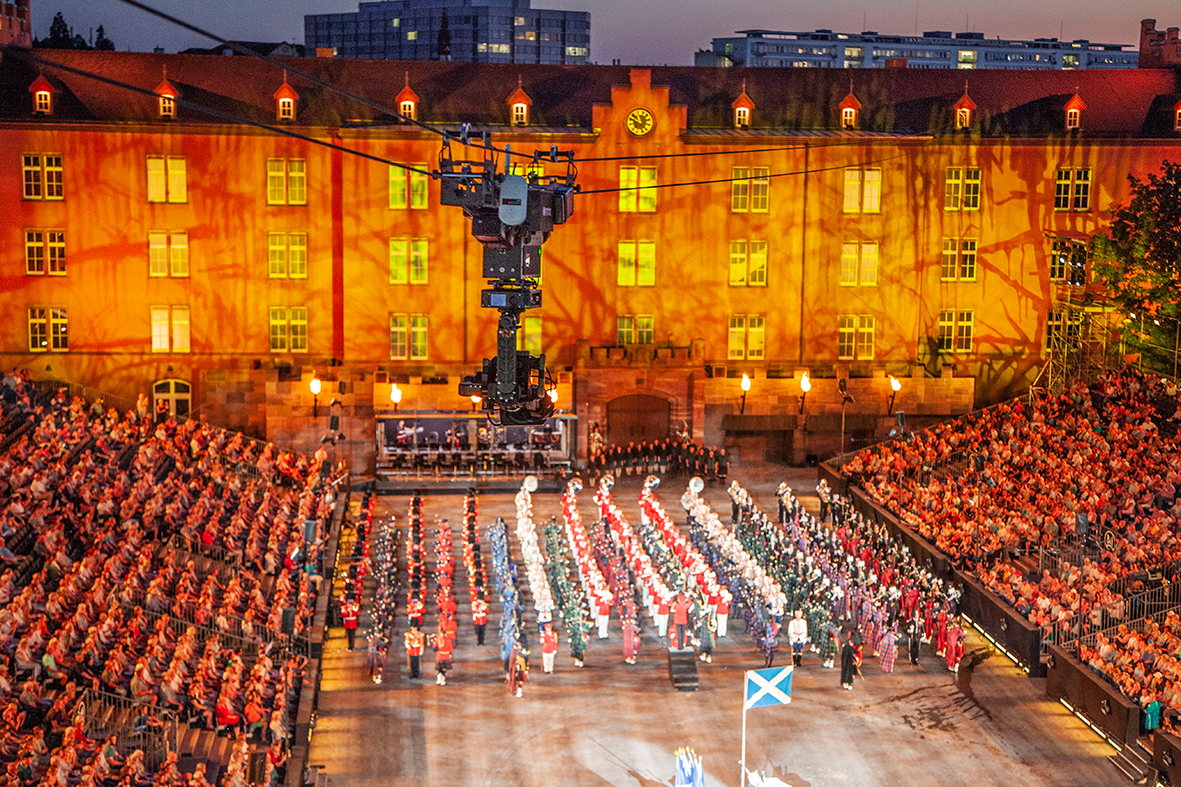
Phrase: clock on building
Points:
(640, 122)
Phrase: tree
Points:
(60, 36)
(444, 42)
(101, 42)
(1139, 261)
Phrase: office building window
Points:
(399, 337)
(168, 253)
(859, 264)
(1072, 190)
(287, 255)
(287, 181)
(637, 189)
(959, 259)
(42, 175)
(863, 190)
(45, 252)
(637, 263)
(408, 189)
(48, 329)
(746, 337)
(289, 329)
(170, 329)
(750, 190)
(961, 189)
(529, 337)
(855, 336)
(418, 337)
(748, 263)
(409, 260)
(167, 179)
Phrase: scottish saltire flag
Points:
(768, 687)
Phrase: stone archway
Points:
(637, 417)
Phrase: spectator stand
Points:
(137, 726)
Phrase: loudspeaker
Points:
(287, 625)
(1081, 520)
(978, 462)
(334, 423)
(901, 416)
(843, 385)
(341, 387)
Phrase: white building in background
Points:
(933, 49)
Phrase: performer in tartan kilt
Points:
(888, 650)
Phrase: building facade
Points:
(1159, 48)
(933, 49)
(478, 31)
(763, 222)
(16, 27)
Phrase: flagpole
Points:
(742, 782)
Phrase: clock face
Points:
(640, 122)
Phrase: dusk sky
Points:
(643, 31)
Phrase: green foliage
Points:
(1139, 261)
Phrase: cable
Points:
(689, 155)
(731, 180)
(24, 55)
(314, 80)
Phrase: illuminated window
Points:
(287, 255)
(963, 118)
(742, 117)
(863, 190)
(846, 336)
(855, 337)
(48, 329)
(637, 264)
(748, 263)
(859, 264)
(286, 109)
(411, 35)
(961, 189)
(287, 181)
(946, 335)
(42, 176)
(418, 337)
(1072, 190)
(750, 190)
(968, 259)
(1072, 118)
(1177, 120)
(959, 260)
(42, 246)
(167, 107)
(965, 322)
(865, 336)
(289, 329)
(399, 337)
(168, 254)
(740, 190)
(645, 329)
(408, 189)
(635, 329)
(637, 189)
(520, 114)
(170, 329)
(955, 330)
(409, 260)
(167, 179)
(43, 102)
(746, 337)
(529, 337)
(406, 109)
(848, 118)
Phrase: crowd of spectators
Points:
(1089, 476)
(96, 592)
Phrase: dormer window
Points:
(407, 108)
(742, 117)
(167, 107)
(1074, 112)
(520, 114)
(1072, 118)
(407, 101)
(286, 109)
(285, 100)
(43, 102)
(168, 94)
(849, 118)
(963, 118)
(1177, 120)
(518, 105)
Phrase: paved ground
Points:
(617, 724)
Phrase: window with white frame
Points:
(43, 102)
(955, 330)
(409, 260)
(289, 329)
(167, 107)
(961, 188)
(408, 189)
(287, 255)
(45, 252)
(418, 337)
(742, 117)
(750, 189)
(520, 114)
(170, 329)
(399, 337)
(168, 253)
(849, 118)
(287, 181)
(1177, 120)
(863, 190)
(1072, 189)
(167, 179)
(959, 259)
(635, 329)
(637, 189)
(746, 337)
(42, 175)
(637, 263)
(286, 109)
(406, 108)
(1072, 118)
(855, 336)
(748, 263)
(859, 264)
(48, 329)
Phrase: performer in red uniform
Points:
(681, 609)
(549, 648)
(351, 611)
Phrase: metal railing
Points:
(106, 714)
(1150, 604)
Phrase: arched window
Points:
(286, 109)
(177, 393)
(742, 117)
(849, 118)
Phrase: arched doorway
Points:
(177, 393)
(636, 418)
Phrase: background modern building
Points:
(482, 31)
(851, 225)
(933, 49)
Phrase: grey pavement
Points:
(611, 723)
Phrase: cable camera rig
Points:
(512, 216)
